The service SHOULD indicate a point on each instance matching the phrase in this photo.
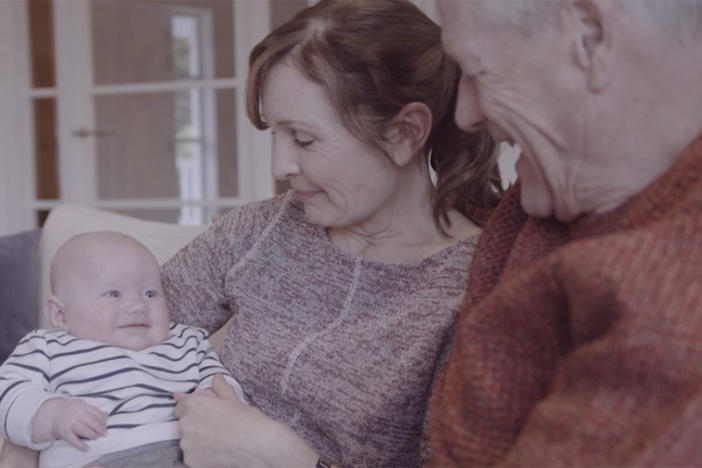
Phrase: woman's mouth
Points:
(306, 195)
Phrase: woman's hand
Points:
(222, 432)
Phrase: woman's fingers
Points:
(178, 396)
(223, 390)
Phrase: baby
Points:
(100, 386)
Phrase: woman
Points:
(345, 290)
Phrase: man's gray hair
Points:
(681, 18)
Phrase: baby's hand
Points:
(69, 420)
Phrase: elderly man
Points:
(581, 342)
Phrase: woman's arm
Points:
(193, 280)
(221, 430)
(16, 456)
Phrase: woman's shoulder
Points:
(249, 221)
(259, 209)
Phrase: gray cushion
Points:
(19, 288)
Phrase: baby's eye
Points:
(112, 293)
(151, 293)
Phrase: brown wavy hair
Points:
(374, 57)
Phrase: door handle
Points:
(85, 133)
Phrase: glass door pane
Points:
(137, 41)
(176, 144)
(138, 106)
(155, 139)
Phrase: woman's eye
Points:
(303, 143)
(301, 139)
(151, 294)
(112, 293)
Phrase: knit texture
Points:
(341, 349)
(581, 344)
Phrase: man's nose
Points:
(469, 114)
(284, 163)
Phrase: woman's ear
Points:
(54, 310)
(408, 132)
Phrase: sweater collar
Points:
(672, 187)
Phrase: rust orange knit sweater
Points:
(581, 344)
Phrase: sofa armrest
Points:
(19, 287)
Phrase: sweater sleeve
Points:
(194, 280)
(24, 384)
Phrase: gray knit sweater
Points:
(341, 349)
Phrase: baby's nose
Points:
(137, 305)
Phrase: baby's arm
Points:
(30, 414)
(24, 386)
(68, 419)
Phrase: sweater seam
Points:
(309, 339)
(263, 236)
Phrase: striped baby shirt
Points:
(134, 388)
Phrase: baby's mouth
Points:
(135, 325)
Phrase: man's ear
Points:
(408, 132)
(591, 29)
(54, 310)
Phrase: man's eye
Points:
(112, 293)
(151, 294)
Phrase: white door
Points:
(151, 106)
(136, 106)
(144, 109)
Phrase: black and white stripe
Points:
(134, 388)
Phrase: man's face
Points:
(513, 84)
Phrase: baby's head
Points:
(106, 286)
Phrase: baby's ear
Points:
(53, 308)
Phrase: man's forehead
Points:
(466, 29)
(469, 20)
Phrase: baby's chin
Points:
(138, 340)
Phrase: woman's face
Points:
(341, 180)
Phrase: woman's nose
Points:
(468, 114)
(284, 164)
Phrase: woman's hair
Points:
(374, 57)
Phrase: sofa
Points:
(25, 258)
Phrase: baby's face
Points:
(113, 295)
